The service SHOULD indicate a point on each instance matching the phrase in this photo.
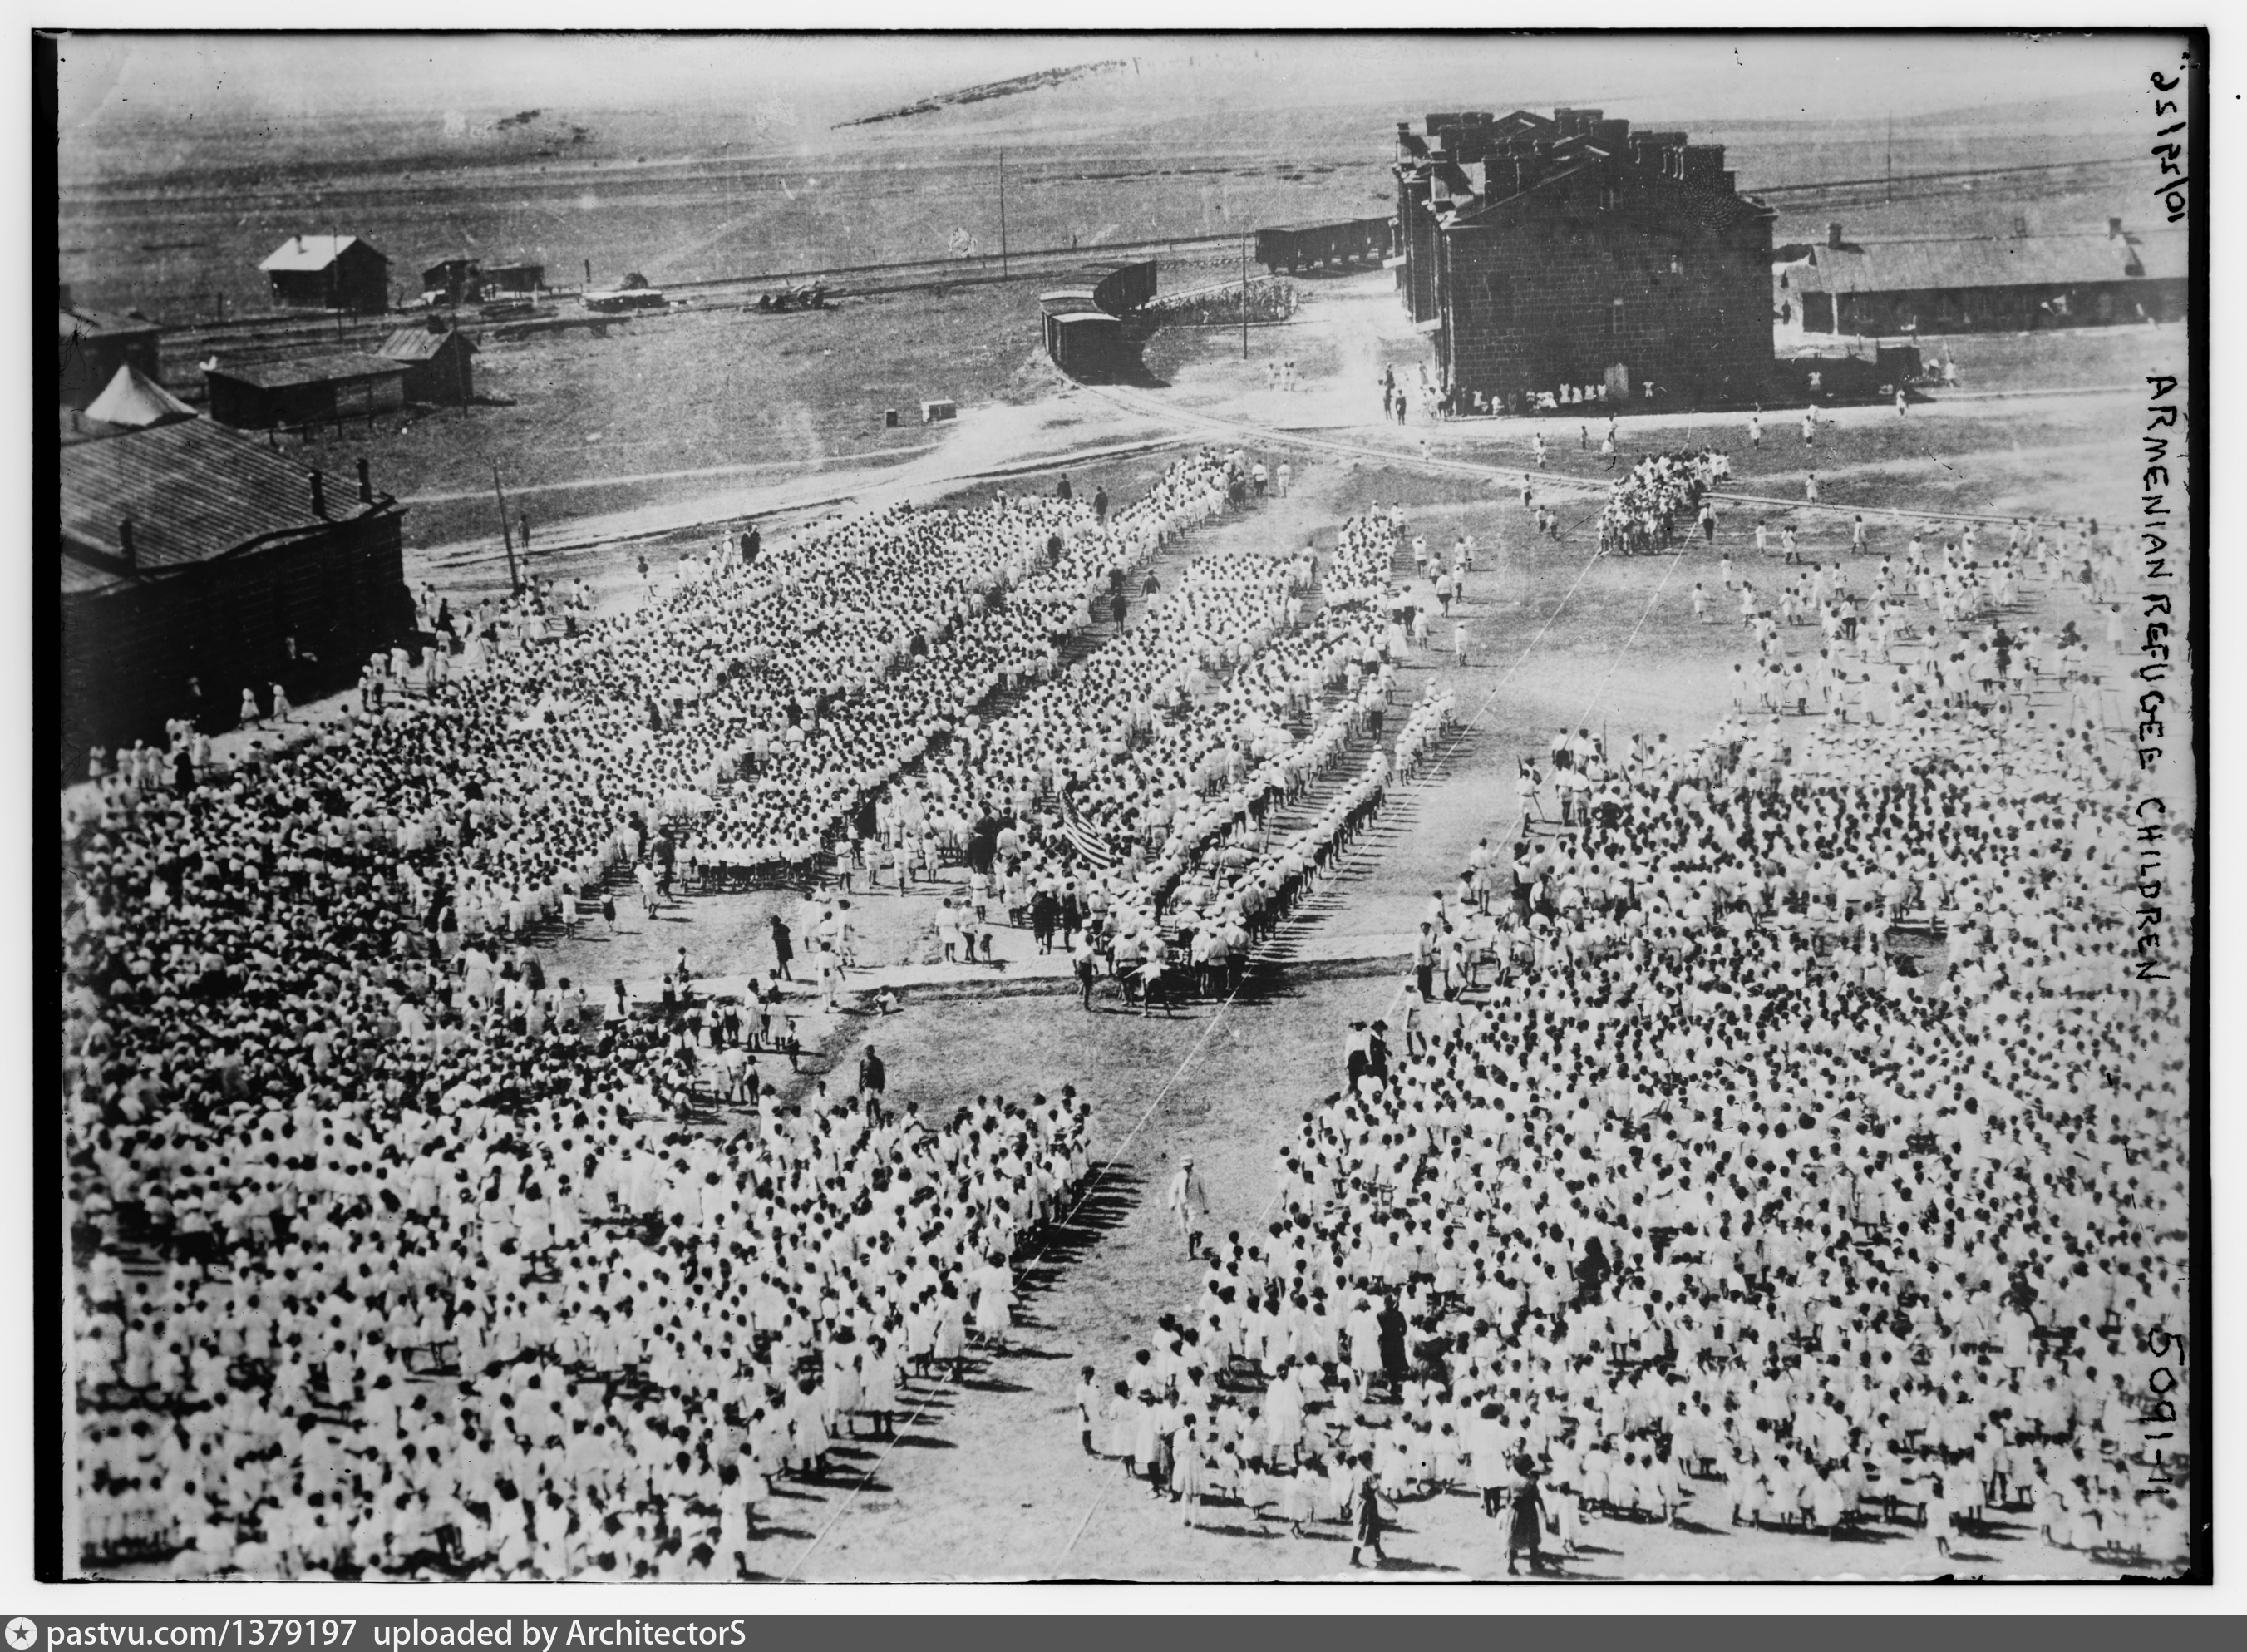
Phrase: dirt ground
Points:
(988, 1479)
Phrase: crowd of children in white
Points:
(397, 1258)
(1791, 1120)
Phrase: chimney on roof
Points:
(125, 542)
(1833, 236)
(365, 485)
(2113, 233)
(319, 495)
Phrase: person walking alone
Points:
(1190, 1201)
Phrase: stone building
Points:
(1570, 257)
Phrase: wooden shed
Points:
(437, 363)
(307, 391)
(329, 272)
(92, 345)
(514, 280)
(1313, 246)
(452, 281)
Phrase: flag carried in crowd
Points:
(1092, 847)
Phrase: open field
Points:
(170, 211)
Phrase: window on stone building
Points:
(1678, 266)
(1615, 318)
(1607, 197)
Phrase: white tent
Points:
(134, 399)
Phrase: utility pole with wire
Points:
(1244, 297)
(506, 536)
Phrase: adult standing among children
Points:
(873, 1083)
(1365, 1496)
(1525, 1527)
(1190, 1201)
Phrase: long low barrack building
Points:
(308, 390)
(194, 564)
(1988, 283)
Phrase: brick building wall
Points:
(1617, 265)
(1415, 238)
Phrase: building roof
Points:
(72, 426)
(418, 344)
(194, 492)
(136, 401)
(314, 252)
(308, 370)
(1992, 260)
(1713, 201)
(80, 323)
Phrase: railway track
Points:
(266, 337)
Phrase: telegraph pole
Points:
(1891, 174)
(506, 537)
(1244, 296)
(1002, 212)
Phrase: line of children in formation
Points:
(1174, 746)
